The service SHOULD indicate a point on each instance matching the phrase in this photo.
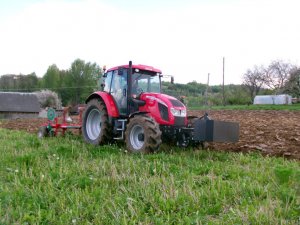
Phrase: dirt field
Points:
(275, 133)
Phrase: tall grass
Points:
(66, 181)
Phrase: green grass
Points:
(65, 181)
(249, 107)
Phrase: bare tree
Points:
(277, 74)
(254, 79)
(292, 86)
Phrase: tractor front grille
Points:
(164, 113)
(179, 121)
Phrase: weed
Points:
(65, 181)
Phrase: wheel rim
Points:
(93, 124)
(135, 137)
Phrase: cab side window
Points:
(107, 82)
(119, 90)
(119, 82)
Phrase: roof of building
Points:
(19, 102)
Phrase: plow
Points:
(59, 124)
(131, 107)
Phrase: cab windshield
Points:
(142, 82)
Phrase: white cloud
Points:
(188, 42)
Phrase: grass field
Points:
(65, 181)
(249, 107)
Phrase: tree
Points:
(7, 82)
(292, 85)
(23, 83)
(82, 80)
(64, 90)
(277, 74)
(75, 84)
(254, 79)
(28, 83)
(51, 79)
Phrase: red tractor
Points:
(131, 107)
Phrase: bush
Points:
(48, 98)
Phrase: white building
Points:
(272, 100)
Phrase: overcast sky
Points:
(184, 38)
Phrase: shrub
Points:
(48, 98)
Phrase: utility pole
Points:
(206, 91)
(223, 81)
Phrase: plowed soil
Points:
(271, 132)
(274, 133)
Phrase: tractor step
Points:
(120, 128)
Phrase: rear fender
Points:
(108, 100)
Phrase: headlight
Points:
(175, 112)
(183, 113)
(178, 112)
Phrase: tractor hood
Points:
(165, 109)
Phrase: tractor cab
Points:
(126, 84)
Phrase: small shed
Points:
(18, 105)
(272, 100)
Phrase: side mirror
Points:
(169, 76)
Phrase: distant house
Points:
(272, 100)
(18, 105)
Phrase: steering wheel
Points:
(139, 91)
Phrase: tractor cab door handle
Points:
(124, 92)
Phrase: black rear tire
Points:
(142, 135)
(95, 126)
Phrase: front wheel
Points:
(95, 126)
(142, 135)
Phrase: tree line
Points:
(277, 78)
(198, 94)
(82, 78)
(72, 85)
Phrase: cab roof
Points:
(140, 67)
